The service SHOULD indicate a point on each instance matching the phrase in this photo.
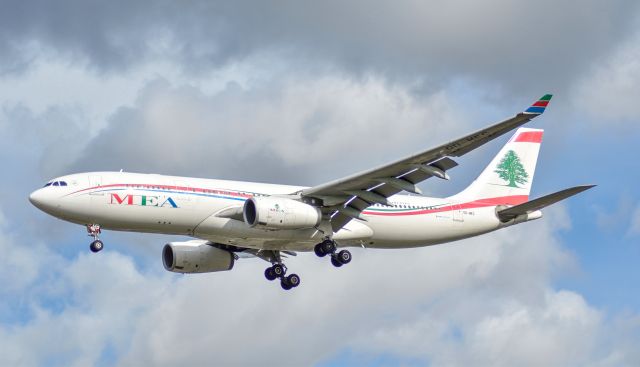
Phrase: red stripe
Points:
(541, 104)
(481, 203)
(503, 200)
(529, 137)
(167, 187)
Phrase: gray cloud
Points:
(520, 46)
(608, 92)
(298, 129)
(35, 147)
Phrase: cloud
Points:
(634, 226)
(517, 46)
(50, 137)
(609, 91)
(613, 219)
(558, 331)
(81, 316)
(306, 128)
(484, 300)
(18, 259)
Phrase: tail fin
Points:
(507, 179)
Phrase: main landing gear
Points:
(94, 231)
(278, 270)
(328, 247)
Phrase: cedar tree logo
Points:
(511, 170)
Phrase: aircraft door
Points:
(95, 181)
(457, 214)
(185, 193)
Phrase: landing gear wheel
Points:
(96, 246)
(328, 247)
(344, 257)
(284, 283)
(270, 274)
(335, 261)
(293, 280)
(278, 270)
(318, 250)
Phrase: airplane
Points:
(230, 220)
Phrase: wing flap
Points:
(339, 220)
(539, 203)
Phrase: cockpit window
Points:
(56, 183)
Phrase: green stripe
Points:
(546, 97)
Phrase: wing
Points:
(346, 198)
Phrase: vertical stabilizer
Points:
(507, 179)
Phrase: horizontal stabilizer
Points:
(539, 203)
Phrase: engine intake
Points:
(195, 257)
(280, 213)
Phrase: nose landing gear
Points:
(328, 247)
(94, 231)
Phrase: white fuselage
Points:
(190, 206)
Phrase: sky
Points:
(302, 93)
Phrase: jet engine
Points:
(280, 213)
(195, 257)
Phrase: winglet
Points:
(538, 107)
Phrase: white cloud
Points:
(308, 126)
(20, 268)
(560, 329)
(610, 91)
(89, 306)
(634, 226)
(481, 301)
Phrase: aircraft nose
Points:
(37, 199)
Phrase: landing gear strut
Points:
(328, 247)
(94, 231)
(278, 270)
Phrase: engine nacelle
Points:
(280, 213)
(195, 257)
